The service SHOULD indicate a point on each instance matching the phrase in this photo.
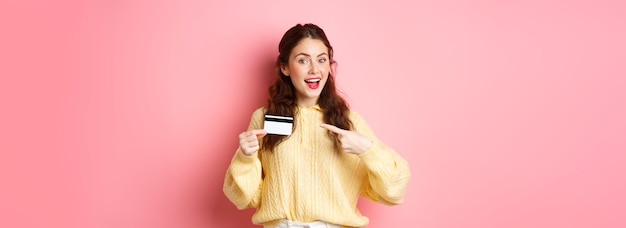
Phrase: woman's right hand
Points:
(249, 141)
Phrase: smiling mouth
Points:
(313, 83)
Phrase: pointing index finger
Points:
(258, 132)
(332, 128)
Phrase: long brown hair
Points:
(282, 99)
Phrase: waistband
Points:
(290, 224)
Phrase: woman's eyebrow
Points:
(307, 55)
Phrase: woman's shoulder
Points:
(260, 109)
(259, 112)
(352, 114)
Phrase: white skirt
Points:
(290, 224)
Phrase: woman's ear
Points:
(284, 70)
(333, 68)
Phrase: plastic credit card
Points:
(278, 125)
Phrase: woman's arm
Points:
(245, 174)
(388, 173)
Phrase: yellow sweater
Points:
(305, 179)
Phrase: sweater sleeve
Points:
(244, 176)
(388, 173)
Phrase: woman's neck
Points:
(306, 103)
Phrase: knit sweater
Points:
(305, 178)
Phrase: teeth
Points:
(313, 80)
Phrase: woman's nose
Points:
(314, 68)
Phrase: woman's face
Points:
(308, 68)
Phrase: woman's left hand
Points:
(351, 142)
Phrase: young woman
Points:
(313, 177)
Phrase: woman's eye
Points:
(302, 61)
(322, 60)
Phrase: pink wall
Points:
(126, 113)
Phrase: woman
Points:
(314, 176)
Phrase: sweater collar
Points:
(314, 107)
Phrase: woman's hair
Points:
(282, 99)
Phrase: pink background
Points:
(126, 113)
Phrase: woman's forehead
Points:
(310, 47)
